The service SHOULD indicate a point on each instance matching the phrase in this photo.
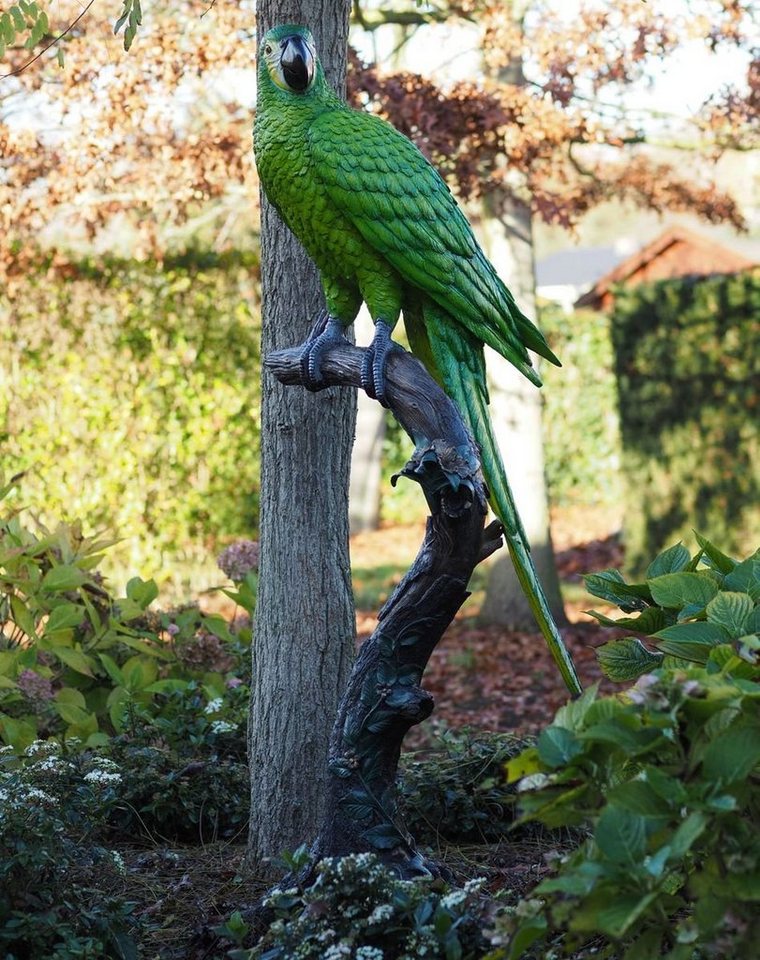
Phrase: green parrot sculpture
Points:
(382, 227)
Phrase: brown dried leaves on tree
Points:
(148, 148)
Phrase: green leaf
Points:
(523, 765)
(22, 616)
(75, 659)
(117, 704)
(669, 788)
(74, 714)
(138, 673)
(72, 696)
(733, 754)
(610, 585)
(621, 836)
(572, 714)
(557, 746)
(357, 804)
(529, 931)
(645, 947)
(383, 837)
(123, 16)
(731, 611)
(142, 592)
(616, 918)
(628, 659)
(18, 18)
(386, 672)
(64, 617)
(62, 578)
(400, 697)
(672, 560)
(167, 686)
(637, 796)
(112, 669)
(17, 733)
(676, 590)
(686, 835)
(718, 560)
(690, 641)
(744, 577)
(59, 56)
(632, 740)
(648, 621)
(216, 624)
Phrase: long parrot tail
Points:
(460, 366)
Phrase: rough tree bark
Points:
(304, 642)
(384, 697)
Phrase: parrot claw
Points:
(326, 333)
(375, 361)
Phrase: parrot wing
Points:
(401, 206)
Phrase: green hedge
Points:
(686, 358)
(130, 395)
(581, 429)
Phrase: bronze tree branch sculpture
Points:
(384, 697)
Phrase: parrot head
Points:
(289, 56)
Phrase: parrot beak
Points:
(297, 62)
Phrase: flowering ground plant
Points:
(358, 909)
(53, 808)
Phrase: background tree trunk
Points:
(304, 642)
(366, 465)
(516, 414)
(507, 232)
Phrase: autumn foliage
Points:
(147, 151)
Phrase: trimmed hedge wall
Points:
(687, 359)
(130, 394)
(580, 416)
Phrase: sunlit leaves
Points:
(131, 15)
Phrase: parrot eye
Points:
(267, 49)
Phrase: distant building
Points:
(563, 276)
(676, 253)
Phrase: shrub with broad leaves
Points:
(703, 609)
(665, 777)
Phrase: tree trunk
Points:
(515, 403)
(304, 642)
(516, 415)
(364, 491)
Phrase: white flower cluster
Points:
(41, 746)
(19, 796)
(102, 776)
(383, 911)
(118, 861)
(223, 726)
(453, 899)
(369, 953)
(214, 706)
(337, 951)
(55, 765)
